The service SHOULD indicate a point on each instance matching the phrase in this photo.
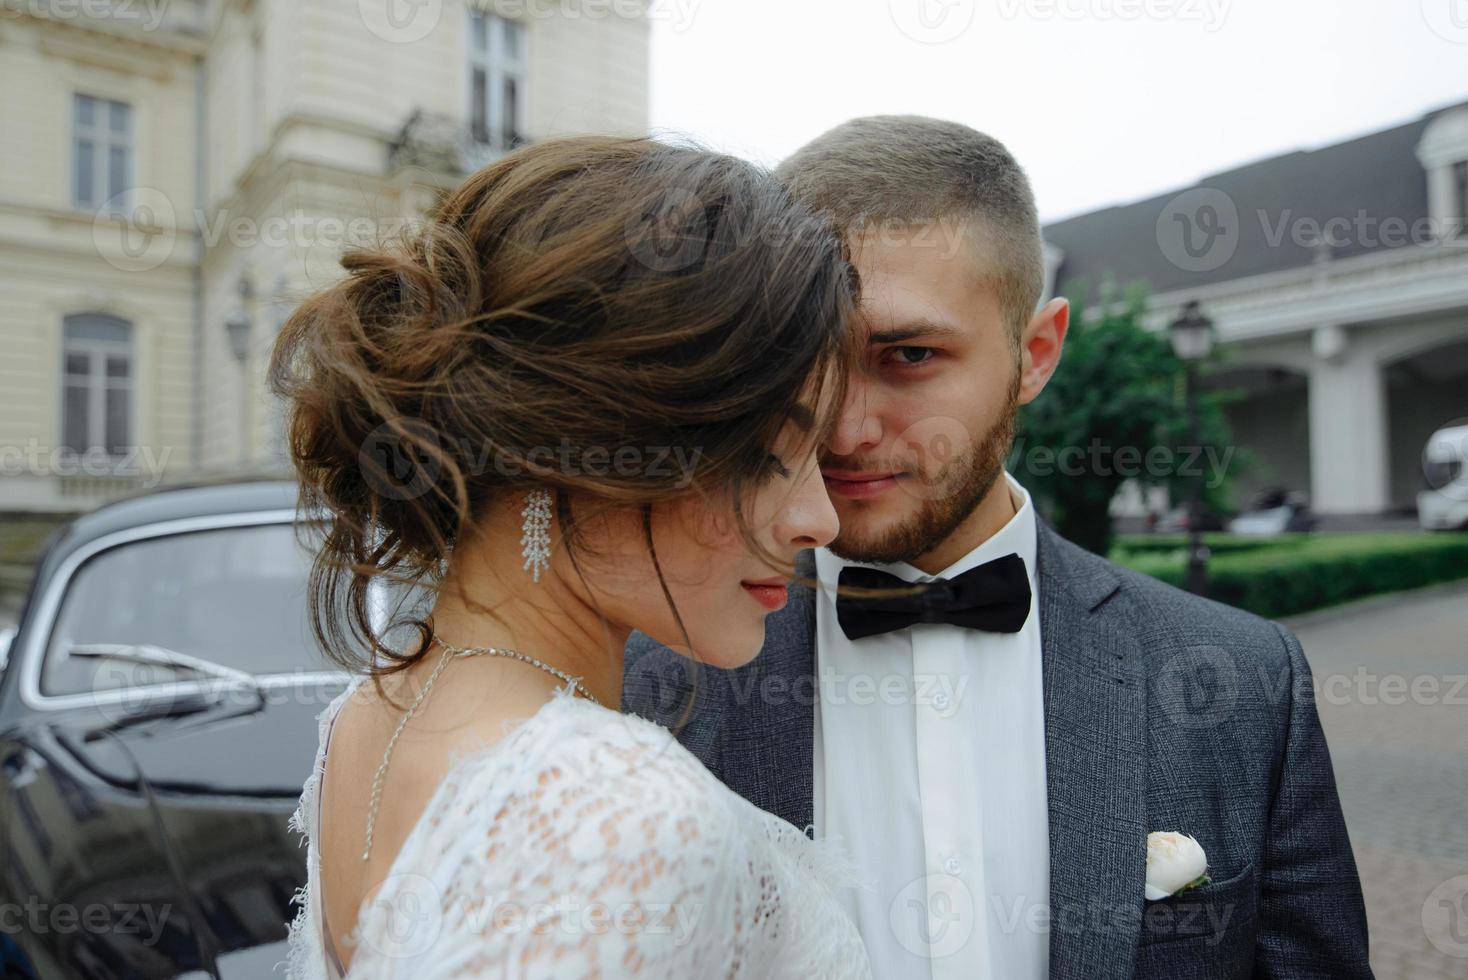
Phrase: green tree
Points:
(1114, 410)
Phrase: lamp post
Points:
(1192, 340)
(238, 326)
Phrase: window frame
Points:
(99, 384)
(103, 139)
(498, 68)
(30, 660)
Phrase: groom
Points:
(995, 751)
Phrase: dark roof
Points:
(1378, 175)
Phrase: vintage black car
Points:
(158, 716)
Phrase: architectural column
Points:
(1349, 460)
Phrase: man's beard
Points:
(970, 477)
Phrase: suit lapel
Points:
(1095, 755)
(767, 739)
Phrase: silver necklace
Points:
(449, 650)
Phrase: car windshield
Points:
(233, 596)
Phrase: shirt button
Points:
(953, 866)
(940, 701)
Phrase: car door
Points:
(145, 806)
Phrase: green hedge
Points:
(1218, 543)
(1296, 574)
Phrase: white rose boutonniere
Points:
(1175, 863)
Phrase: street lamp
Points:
(1192, 340)
(238, 326)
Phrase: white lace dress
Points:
(586, 843)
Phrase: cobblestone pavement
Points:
(1391, 682)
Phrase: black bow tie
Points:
(994, 597)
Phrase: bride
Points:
(585, 397)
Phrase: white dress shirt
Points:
(930, 766)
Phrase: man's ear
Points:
(1040, 346)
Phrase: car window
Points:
(234, 596)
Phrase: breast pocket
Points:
(1204, 933)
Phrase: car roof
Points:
(186, 500)
(166, 504)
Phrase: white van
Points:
(1443, 503)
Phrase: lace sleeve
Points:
(595, 852)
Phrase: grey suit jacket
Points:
(1163, 711)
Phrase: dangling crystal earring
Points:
(535, 539)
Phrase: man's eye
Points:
(913, 355)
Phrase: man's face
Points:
(930, 417)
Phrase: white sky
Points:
(1102, 101)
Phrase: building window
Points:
(496, 80)
(1459, 217)
(97, 383)
(102, 149)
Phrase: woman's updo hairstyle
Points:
(577, 297)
